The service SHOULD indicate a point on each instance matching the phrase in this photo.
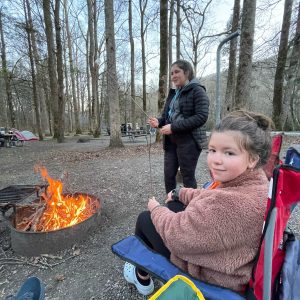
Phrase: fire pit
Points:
(52, 221)
(29, 243)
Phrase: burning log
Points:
(28, 216)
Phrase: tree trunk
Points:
(96, 67)
(88, 82)
(112, 81)
(92, 53)
(60, 74)
(229, 96)
(72, 71)
(163, 62)
(132, 66)
(171, 39)
(242, 95)
(178, 24)
(36, 105)
(143, 33)
(281, 62)
(51, 67)
(291, 94)
(7, 79)
(42, 88)
(68, 102)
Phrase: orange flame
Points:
(63, 210)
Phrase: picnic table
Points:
(133, 134)
(9, 140)
(6, 139)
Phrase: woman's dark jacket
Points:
(194, 107)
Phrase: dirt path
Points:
(120, 178)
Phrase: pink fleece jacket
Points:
(217, 236)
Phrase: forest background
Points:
(87, 66)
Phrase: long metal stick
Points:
(218, 81)
(149, 147)
(140, 107)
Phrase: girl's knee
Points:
(143, 218)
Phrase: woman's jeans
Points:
(183, 152)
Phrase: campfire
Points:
(54, 210)
(44, 219)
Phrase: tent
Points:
(25, 135)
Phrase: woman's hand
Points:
(152, 203)
(166, 129)
(153, 122)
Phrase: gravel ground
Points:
(121, 179)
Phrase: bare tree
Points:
(92, 33)
(132, 65)
(196, 36)
(281, 62)
(72, 71)
(178, 25)
(60, 73)
(172, 5)
(142, 6)
(52, 67)
(112, 81)
(42, 82)
(242, 95)
(163, 62)
(291, 94)
(229, 96)
(36, 104)
(7, 77)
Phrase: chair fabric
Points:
(133, 250)
(274, 158)
(285, 193)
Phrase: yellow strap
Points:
(183, 278)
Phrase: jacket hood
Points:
(191, 84)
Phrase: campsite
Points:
(121, 179)
(104, 102)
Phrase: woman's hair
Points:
(255, 132)
(186, 67)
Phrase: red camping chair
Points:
(274, 158)
(284, 195)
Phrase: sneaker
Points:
(130, 276)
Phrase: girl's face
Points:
(178, 77)
(226, 160)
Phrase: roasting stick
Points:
(149, 148)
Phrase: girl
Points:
(214, 234)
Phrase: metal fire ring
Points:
(28, 243)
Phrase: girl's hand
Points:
(153, 122)
(152, 203)
(169, 197)
(166, 129)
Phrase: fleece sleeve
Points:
(187, 194)
(190, 231)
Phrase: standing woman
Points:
(185, 112)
